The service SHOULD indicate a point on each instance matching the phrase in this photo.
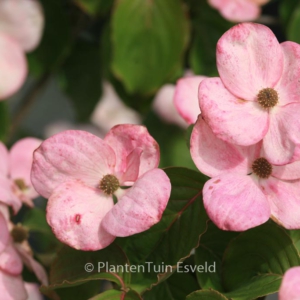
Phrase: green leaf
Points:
(206, 295)
(170, 241)
(56, 39)
(176, 287)
(4, 120)
(95, 7)
(293, 25)
(117, 295)
(73, 267)
(208, 27)
(81, 76)
(286, 10)
(149, 38)
(254, 262)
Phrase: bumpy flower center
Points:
(262, 168)
(109, 184)
(19, 233)
(21, 184)
(267, 98)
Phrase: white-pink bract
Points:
(178, 104)
(290, 285)
(238, 10)
(245, 189)
(12, 257)
(21, 27)
(258, 93)
(15, 168)
(80, 174)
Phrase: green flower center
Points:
(109, 184)
(267, 98)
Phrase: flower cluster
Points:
(247, 135)
(15, 189)
(98, 189)
(21, 26)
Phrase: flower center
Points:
(267, 98)
(109, 184)
(19, 233)
(262, 168)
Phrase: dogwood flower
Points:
(258, 93)
(15, 168)
(245, 189)
(290, 288)
(21, 27)
(238, 10)
(14, 252)
(83, 175)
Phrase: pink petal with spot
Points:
(290, 287)
(213, 156)
(231, 119)
(283, 135)
(163, 105)
(12, 287)
(10, 260)
(235, 202)
(33, 291)
(236, 10)
(7, 196)
(125, 138)
(23, 20)
(74, 213)
(288, 87)
(3, 160)
(287, 172)
(21, 157)
(13, 66)
(186, 98)
(141, 207)
(70, 155)
(249, 58)
(32, 264)
(4, 234)
(284, 198)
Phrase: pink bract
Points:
(290, 288)
(15, 168)
(242, 194)
(12, 256)
(13, 66)
(23, 21)
(238, 10)
(257, 95)
(72, 170)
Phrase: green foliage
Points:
(4, 121)
(94, 7)
(149, 38)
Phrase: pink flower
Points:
(21, 26)
(179, 104)
(14, 251)
(258, 93)
(81, 174)
(245, 189)
(290, 287)
(15, 167)
(238, 10)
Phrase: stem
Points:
(26, 104)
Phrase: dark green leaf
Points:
(81, 76)
(95, 7)
(149, 38)
(206, 295)
(117, 295)
(4, 120)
